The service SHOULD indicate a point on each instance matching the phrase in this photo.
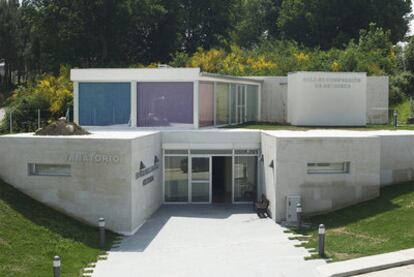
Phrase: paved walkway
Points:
(375, 263)
(402, 271)
(207, 240)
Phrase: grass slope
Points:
(382, 225)
(32, 233)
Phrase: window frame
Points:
(33, 171)
(328, 168)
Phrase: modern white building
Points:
(155, 141)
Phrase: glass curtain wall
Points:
(222, 103)
(206, 104)
(252, 102)
(233, 104)
(103, 104)
(241, 104)
(176, 179)
(188, 176)
(245, 178)
(165, 104)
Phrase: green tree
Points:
(255, 20)
(333, 23)
(53, 95)
(10, 43)
(408, 55)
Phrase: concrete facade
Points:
(107, 179)
(274, 99)
(98, 186)
(211, 139)
(377, 99)
(292, 151)
(275, 92)
(312, 103)
(327, 99)
(145, 198)
(397, 157)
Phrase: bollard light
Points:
(56, 266)
(299, 215)
(102, 233)
(395, 118)
(321, 245)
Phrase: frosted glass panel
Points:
(165, 104)
(206, 104)
(176, 179)
(222, 103)
(233, 104)
(252, 102)
(102, 104)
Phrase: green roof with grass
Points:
(278, 126)
(32, 233)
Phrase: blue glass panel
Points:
(102, 104)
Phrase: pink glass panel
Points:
(206, 104)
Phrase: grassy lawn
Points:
(32, 233)
(382, 225)
(276, 126)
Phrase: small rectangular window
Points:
(328, 168)
(49, 169)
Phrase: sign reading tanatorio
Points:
(332, 82)
(92, 157)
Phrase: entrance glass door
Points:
(200, 179)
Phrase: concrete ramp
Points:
(207, 240)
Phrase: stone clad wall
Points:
(397, 157)
(146, 191)
(321, 192)
(106, 180)
(101, 182)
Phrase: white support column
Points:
(76, 102)
(195, 104)
(214, 104)
(134, 105)
(259, 102)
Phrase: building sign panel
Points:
(92, 157)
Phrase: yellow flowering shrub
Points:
(208, 61)
(260, 65)
(235, 62)
(58, 90)
(335, 66)
(301, 57)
